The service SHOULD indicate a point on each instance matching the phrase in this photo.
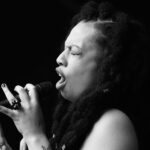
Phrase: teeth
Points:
(59, 74)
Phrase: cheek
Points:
(81, 77)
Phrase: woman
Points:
(98, 67)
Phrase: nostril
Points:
(60, 64)
(59, 61)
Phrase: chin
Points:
(70, 98)
(64, 96)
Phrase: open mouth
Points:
(61, 83)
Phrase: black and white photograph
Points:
(75, 75)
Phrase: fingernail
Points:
(3, 85)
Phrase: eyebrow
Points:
(73, 45)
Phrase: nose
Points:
(61, 59)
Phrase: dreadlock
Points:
(117, 74)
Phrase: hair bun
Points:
(106, 10)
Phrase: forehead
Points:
(83, 32)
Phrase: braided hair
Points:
(118, 73)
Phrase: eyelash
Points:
(72, 53)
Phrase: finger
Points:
(2, 140)
(1, 132)
(4, 147)
(23, 95)
(32, 92)
(6, 111)
(23, 145)
(10, 97)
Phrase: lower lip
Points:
(60, 85)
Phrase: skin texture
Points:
(3, 142)
(78, 65)
(113, 131)
(28, 119)
(78, 61)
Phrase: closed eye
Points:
(74, 50)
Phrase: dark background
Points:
(31, 37)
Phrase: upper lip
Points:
(60, 72)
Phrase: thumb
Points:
(23, 145)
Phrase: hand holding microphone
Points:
(43, 89)
(28, 117)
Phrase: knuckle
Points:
(18, 88)
(22, 141)
(30, 87)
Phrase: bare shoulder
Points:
(113, 131)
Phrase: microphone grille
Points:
(44, 88)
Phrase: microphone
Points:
(43, 90)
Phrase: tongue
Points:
(62, 80)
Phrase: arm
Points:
(28, 119)
(37, 142)
(114, 131)
(31, 142)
